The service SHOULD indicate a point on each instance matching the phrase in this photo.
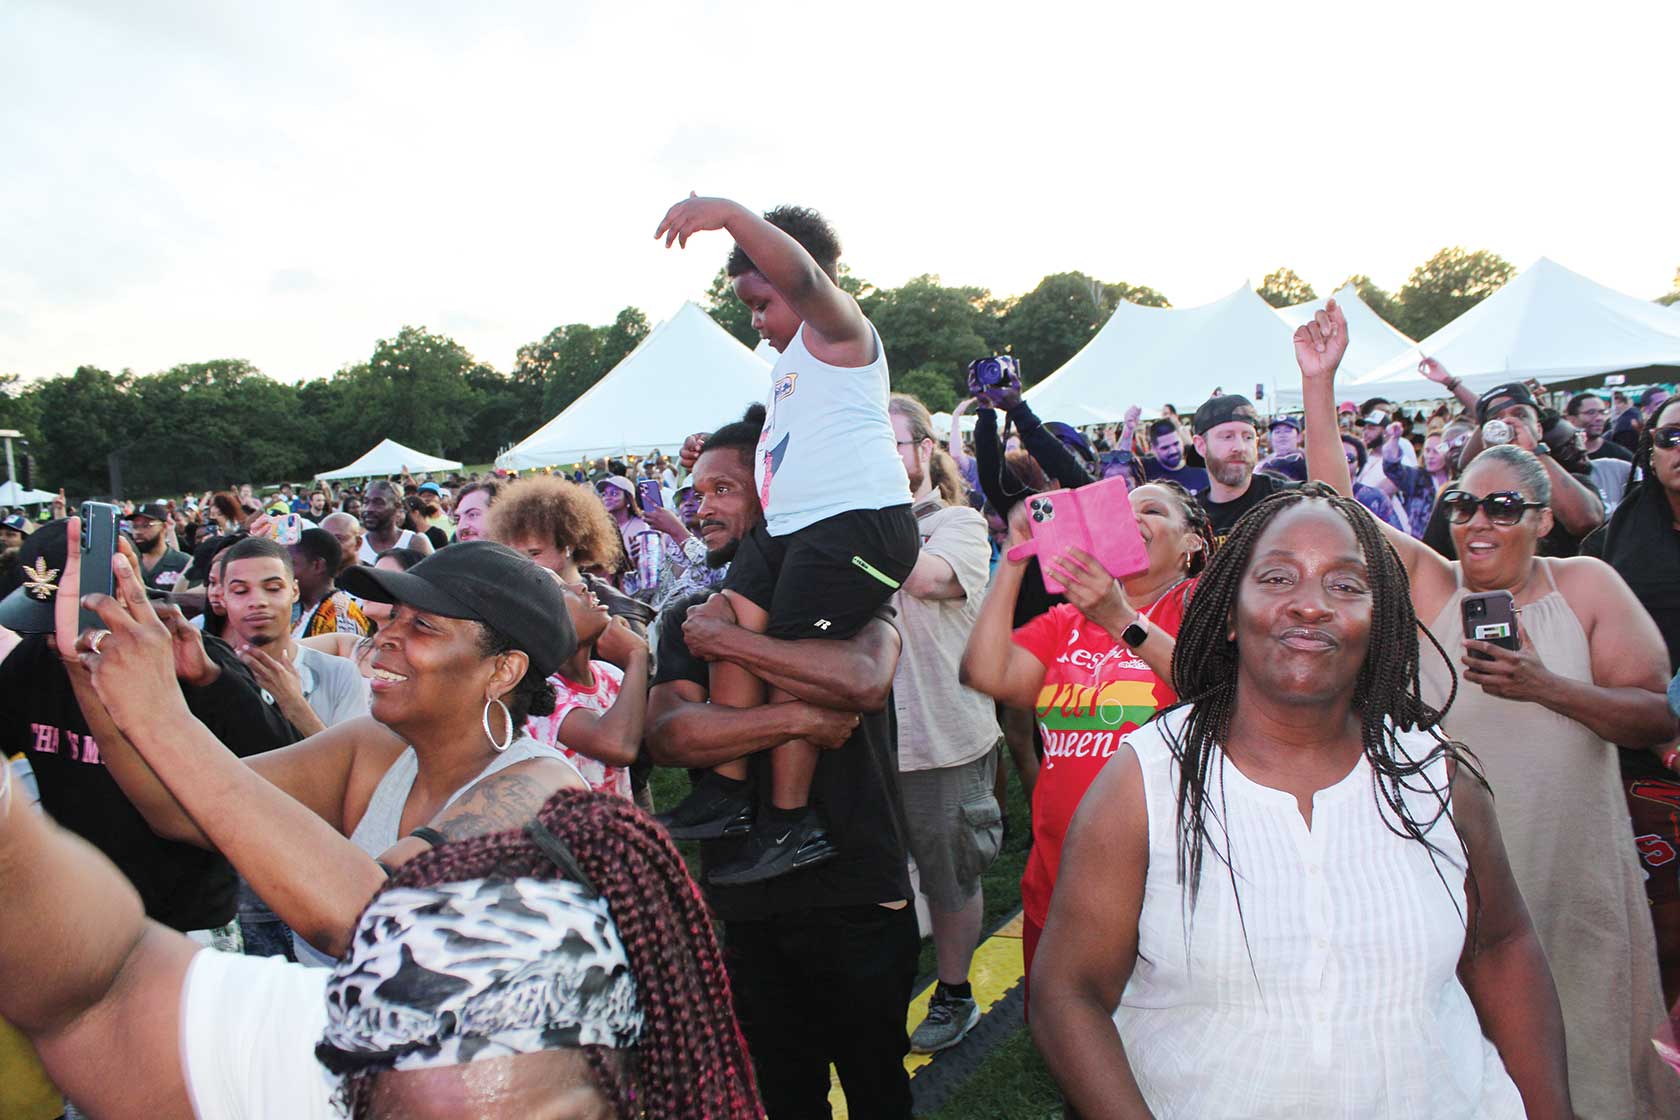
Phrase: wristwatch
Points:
(1134, 634)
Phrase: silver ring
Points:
(98, 636)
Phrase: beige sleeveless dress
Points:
(1558, 797)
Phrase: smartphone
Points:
(287, 529)
(1490, 616)
(1097, 518)
(98, 546)
(649, 494)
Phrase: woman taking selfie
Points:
(1542, 721)
(456, 671)
(1287, 897)
(1092, 668)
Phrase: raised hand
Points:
(130, 661)
(1320, 343)
(1132, 415)
(1096, 594)
(691, 449)
(694, 215)
(1435, 371)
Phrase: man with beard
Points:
(1588, 412)
(381, 508)
(12, 532)
(820, 963)
(313, 690)
(1168, 460)
(1227, 437)
(161, 567)
(1376, 415)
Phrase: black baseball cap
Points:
(1504, 396)
(1222, 410)
(32, 585)
(485, 582)
(1285, 422)
(157, 511)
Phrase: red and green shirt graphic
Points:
(1095, 691)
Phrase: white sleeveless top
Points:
(368, 556)
(377, 830)
(827, 446)
(1344, 1001)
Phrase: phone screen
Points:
(650, 493)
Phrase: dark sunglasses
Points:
(1503, 507)
(1666, 438)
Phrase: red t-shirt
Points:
(1095, 691)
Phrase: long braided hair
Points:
(1387, 694)
(691, 1061)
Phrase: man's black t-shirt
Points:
(168, 571)
(181, 886)
(1225, 515)
(855, 789)
(1609, 449)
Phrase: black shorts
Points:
(828, 579)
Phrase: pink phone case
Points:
(1097, 518)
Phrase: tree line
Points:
(207, 424)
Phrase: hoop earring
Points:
(488, 734)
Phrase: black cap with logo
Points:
(1222, 410)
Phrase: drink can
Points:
(650, 557)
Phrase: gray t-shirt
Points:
(940, 722)
(334, 687)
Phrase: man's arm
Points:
(684, 730)
(1437, 373)
(1576, 505)
(854, 674)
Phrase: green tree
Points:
(927, 326)
(1051, 323)
(930, 386)
(243, 427)
(413, 389)
(1375, 298)
(570, 359)
(83, 418)
(729, 312)
(1285, 288)
(1672, 297)
(1447, 285)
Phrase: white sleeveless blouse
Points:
(1342, 998)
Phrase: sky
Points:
(289, 183)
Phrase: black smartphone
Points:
(98, 546)
(647, 490)
(1490, 616)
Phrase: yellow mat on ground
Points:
(25, 1092)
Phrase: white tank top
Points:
(827, 446)
(1342, 999)
(368, 556)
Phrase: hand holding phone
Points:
(1490, 616)
(97, 546)
(286, 529)
(650, 495)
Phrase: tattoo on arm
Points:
(499, 803)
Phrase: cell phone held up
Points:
(1490, 616)
(648, 492)
(98, 545)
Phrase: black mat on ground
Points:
(932, 1085)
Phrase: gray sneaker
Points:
(949, 1019)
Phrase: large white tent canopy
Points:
(1548, 323)
(1148, 356)
(688, 375)
(11, 494)
(390, 457)
(1372, 342)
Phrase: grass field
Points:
(1012, 1084)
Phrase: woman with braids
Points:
(1541, 720)
(1641, 542)
(1092, 668)
(315, 828)
(1286, 897)
(566, 971)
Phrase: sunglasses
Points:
(1666, 438)
(1503, 507)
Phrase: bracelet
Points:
(1669, 756)
(430, 835)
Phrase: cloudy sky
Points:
(287, 183)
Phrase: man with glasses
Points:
(1589, 413)
(1576, 505)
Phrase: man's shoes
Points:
(775, 848)
(949, 1019)
(711, 812)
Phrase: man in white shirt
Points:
(947, 734)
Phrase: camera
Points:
(1000, 371)
(1475, 608)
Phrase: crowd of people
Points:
(339, 804)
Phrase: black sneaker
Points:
(711, 812)
(776, 848)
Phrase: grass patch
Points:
(1012, 1085)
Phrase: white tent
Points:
(688, 375)
(1148, 356)
(1372, 342)
(1548, 323)
(942, 423)
(11, 494)
(390, 457)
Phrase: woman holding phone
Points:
(1542, 720)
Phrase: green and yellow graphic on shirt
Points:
(1111, 706)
